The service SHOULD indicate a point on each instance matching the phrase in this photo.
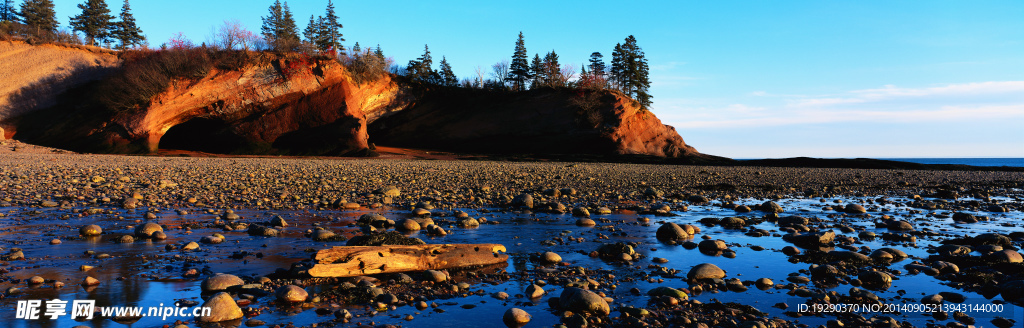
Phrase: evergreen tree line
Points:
(628, 72)
(322, 33)
(95, 22)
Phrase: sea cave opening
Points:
(208, 135)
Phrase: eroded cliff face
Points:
(316, 108)
(537, 122)
(32, 75)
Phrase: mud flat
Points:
(589, 244)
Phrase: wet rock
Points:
(705, 271)
(469, 223)
(793, 220)
(580, 211)
(671, 232)
(583, 301)
(1005, 256)
(408, 225)
(854, 209)
(190, 246)
(953, 250)
(146, 230)
(585, 222)
(515, 317)
(711, 246)
(899, 225)
(291, 293)
(124, 239)
(770, 207)
(523, 200)
(811, 239)
(849, 256)
(992, 239)
(875, 279)
(36, 280)
(790, 250)
(764, 282)
(534, 291)
(261, 231)
(90, 281)
(945, 267)
(211, 240)
(278, 221)
(550, 257)
(55, 242)
(668, 291)
(323, 235)
(90, 230)
(435, 276)
(732, 222)
(254, 323)
(222, 308)
(603, 210)
(159, 235)
(389, 191)
(932, 299)
(221, 282)
(615, 251)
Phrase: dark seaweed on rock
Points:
(381, 239)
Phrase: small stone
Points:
(585, 222)
(190, 246)
(90, 230)
(435, 276)
(291, 293)
(90, 281)
(534, 291)
(705, 271)
(36, 280)
(55, 242)
(222, 308)
(515, 317)
(583, 301)
(146, 230)
(221, 282)
(551, 257)
(408, 225)
(671, 232)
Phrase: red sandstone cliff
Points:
(293, 105)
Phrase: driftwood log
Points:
(351, 261)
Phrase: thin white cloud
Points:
(981, 101)
(1009, 89)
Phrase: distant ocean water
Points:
(1017, 162)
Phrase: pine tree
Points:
(420, 69)
(356, 49)
(329, 31)
(519, 70)
(125, 31)
(552, 70)
(379, 53)
(94, 22)
(630, 72)
(537, 70)
(312, 31)
(279, 27)
(288, 30)
(597, 64)
(615, 73)
(39, 15)
(7, 12)
(448, 77)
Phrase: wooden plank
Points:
(351, 261)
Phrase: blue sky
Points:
(743, 79)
